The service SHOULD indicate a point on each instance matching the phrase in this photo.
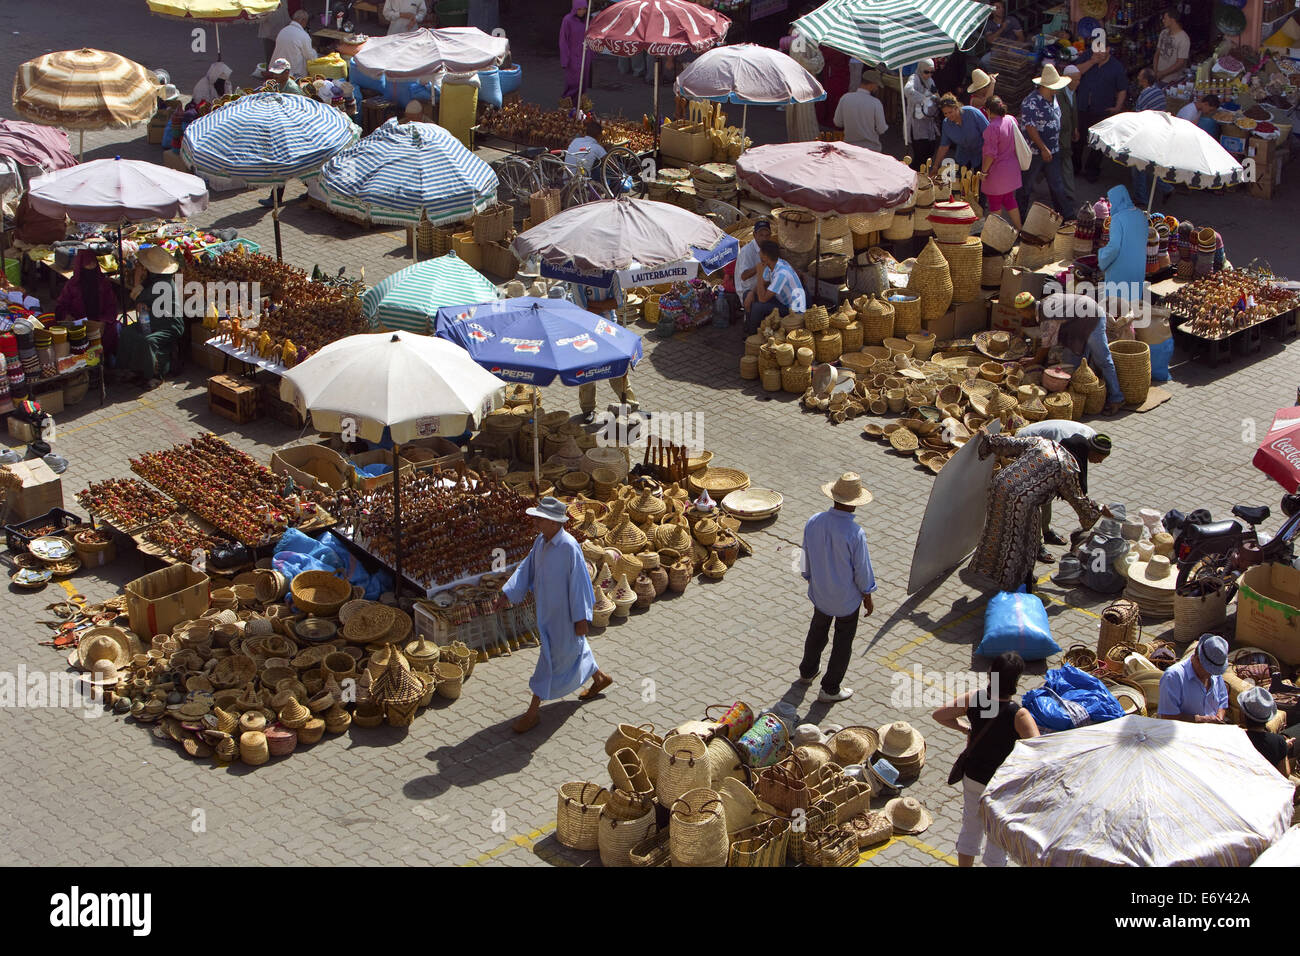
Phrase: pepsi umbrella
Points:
(533, 340)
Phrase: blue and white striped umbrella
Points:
(402, 170)
(267, 138)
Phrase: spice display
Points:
(180, 537)
(126, 503)
(1225, 302)
(228, 489)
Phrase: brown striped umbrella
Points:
(85, 89)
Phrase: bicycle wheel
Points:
(550, 172)
(582, 191)
(620, 172)
(516, 177)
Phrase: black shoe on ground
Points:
(1051, 537)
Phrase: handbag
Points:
(959, 765)
(779, 786)
(1024, 153)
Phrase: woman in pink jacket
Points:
(573, 31)
(1001, 166)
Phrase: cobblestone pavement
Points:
(459, 787)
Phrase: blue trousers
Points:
(1097, 351)
(1061, 199)
(1142, 188)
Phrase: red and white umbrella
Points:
(1278, 456)
(655, 27)
(827, 178)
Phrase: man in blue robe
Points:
(556, 573)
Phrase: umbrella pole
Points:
(656, 101)
(537, 460)
(582, 62)
(397, 521)
(275, 220)
(1151, 198)
(121, 276)
(81, 148)
(744, 122)
(217, 27)
(817, 263)
(902, 100)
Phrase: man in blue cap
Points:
(1193, 689)
(556, 572)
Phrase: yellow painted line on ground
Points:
(928, 850)
(139, 402)
(525, 841)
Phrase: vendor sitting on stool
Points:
(778, 287)
(1193, 689)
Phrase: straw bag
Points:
(615, 838)
(683, 767)
(577, 814)
(1030, 255)
(1120, 624)
(902, 226)
(493, 224)
(652, 851)
(1063, 244)
(834, 846)
(1133, 367)
(965, 266)
(931, 281)
(796, 230)
(998, 234)
(544, 204)
(991, 271)
(1196, 614)
(697, 830)
(627, 773)
(1042, 222)
(816, 819)
(740, 806)
(782, 786)
(724, 761)
(764, 844)
(877, 317)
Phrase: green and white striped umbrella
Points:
(894, 33)
(409, 300)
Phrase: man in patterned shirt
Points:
(778, 287)
(1040, 115)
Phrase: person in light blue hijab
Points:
(556, 572)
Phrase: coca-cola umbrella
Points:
(655, 27)
(827, 178)
(1278, 456)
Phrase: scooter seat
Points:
(1214, 529)
(1256, 514)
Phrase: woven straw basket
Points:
(991, 270)
(867, 223)
(796, 230)
(907, 312)
(851, 336)
(931, 280)
(827, 346)
(577, 814)
(1195, 615)
(902, 226)
(1120, 624)
(965, 267)
(1133, 366)
(1059, 405)
(998, 234)
(877, 317)
(817, 319)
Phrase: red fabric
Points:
(1279, 454)
(827, 177)
(657, 27)
(71, 307)
(835, 80)
(34, 145)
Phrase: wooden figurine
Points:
(289, 354)
(264, 344)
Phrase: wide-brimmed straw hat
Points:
(158, 260)
(979, 79)
(847, 490)
(1050, 78)
(854, 745)
(1001, 346)
(900, 740)
(104, 643)
(907, 815)
(1156, 573)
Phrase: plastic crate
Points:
(248, 244)
(18, 536)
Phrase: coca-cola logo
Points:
(1289, 452)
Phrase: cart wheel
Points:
(620, 172)
(515, 175)
(551, 172)
(582, 191)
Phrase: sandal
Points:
(1045, 556)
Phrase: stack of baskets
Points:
(877, 317)
(965, 266)
(1133, 367)
(952, 220)
(1087, 386)
(931, 280)
(924, 204)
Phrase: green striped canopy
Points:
(409, 300)
(894, 33)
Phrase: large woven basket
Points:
(1041, 222)
(964, 267)
(991, 270)
(320, 593)
(796, 378)
(851, 336)
(930, 280)
(616, 837)
(865, 223)
(1059, 405)
(827, 346)
(697, 829)
(796, 230)
(1063, 244)
(1195, 615)
(998, 234)
(877, 317)
(544, 204)
(577, 815)
(1133, 367)
(921, 224)
(907, 312)
(902, 226)
(1121, 623)
(493, 224)
(1094, 400)
(817, 319)
(1031, 256)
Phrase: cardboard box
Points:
(373, 458)
(944, 327)
(685, 141)
(1268, 611)
(159, 601)
(1268, 176)
(1016, 280)
(971, 317)
(21, 430)
(317, 467)
(1005, 318)
(41, 490)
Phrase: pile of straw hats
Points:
(903, 746)
(1151, 586)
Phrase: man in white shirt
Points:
(861, 114)
(748, 265)
(1173, 48)
(404, 16)
(269, 27)
(294, 44)
(586, 151)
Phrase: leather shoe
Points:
(1051, 537)
(1045, 556)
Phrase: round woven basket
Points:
(858, 362)
(1195, 615)
(1094, 400)
(796, 379)
(851, 336)
(830, 267)
(922, 345)
(877, 318)
(1120, 624)
(865, 223)
(899, 347)
(817, 319)
(1133, 366)
(796, 230)
(771, 379)
(1059, 405)
(931, 280)
(954, 232)
(749, 366)
(319, 592)
(907, 312)
(902, 226)
(921, 224)
(804, 356)
(991, 271)
(827, 346)
(800, 337)
(965, 267)
(783, 352)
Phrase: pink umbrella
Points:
(33, 145)
(1278, 456)
(827, 178)
(656, 27)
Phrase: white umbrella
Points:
(414, 385)
(1137, 792)
(751, 75)
(1166, 147)
(1285, 852)
(425, 53)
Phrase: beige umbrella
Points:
(85, 89)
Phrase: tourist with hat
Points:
(778, 288)
(994, 723)
(1087, 447)
(1257, 709)
(861, 114)
(1037, 471)
(837, 567)
(1040, 115)
(1193, 689)
(922, 102)
(556, 574)
(1077, 323)
(981, 90)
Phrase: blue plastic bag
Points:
(511, 79)
(1161, 353)
(489, 87)
(1017, 622)
(1068, 683)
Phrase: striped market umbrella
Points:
(268, 139)
(894, 33)
(85, 89)
(401, 171)
(409, 300)
(1137, 791)
(215, 12)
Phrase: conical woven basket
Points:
(965, 267)
(877, 317)
(817, 319)
(1133, 366)
(930, 280)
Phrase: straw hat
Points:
(979, 79)
(158, 261)
(104, 643)
(1002, 346)
(1156, 574)
(900, 741)
(854, 745)
(103, 673)
(847, 490)
(907, 815)
(806, 734)
(1164, 543)
(1051, 79)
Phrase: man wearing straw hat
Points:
(837, 567)
(556, 573)
(1193, 689)
(1040, 115)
